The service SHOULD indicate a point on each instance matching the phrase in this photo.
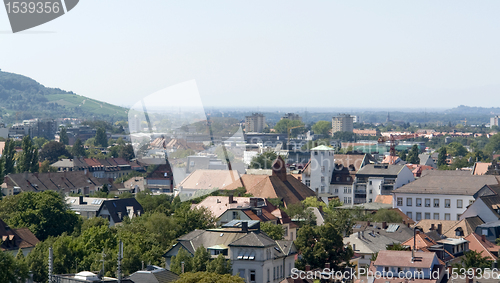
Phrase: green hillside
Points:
(24, 98)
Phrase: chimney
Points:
(433, 227)
(384, 225)
(359, 234)
(80, 200)
(308, 267)
(327, 265)
(483, 238)
(244, 226)
(440, 228)
(231, 199)
(417, 232)
(367, 223)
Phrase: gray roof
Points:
(368, 206)
(253, 239)
(120, 205)
(368, 242)
(490, 224)
(447, 183)
(154, 276)
(380, 169)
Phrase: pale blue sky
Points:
(269, 53)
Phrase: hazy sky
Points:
(269, 53)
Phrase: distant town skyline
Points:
(390, 55)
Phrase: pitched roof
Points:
(383, 199)
(369, 243)
(208, 179)
(422, 241)
(404, 259)
(480, 168)
(346, 160)
(447, 183)
(323, 148)
(467, 225)
(219, 204)
(493, 203)
(119, 206)
(59, 181)
(154, 276)
(381, 169)
(13, 239)
(253, 239)
(426, 224)
(481, 245)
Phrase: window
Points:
(436, 202)
(458, 217)
(447, 203)
(370, 182)
(471, 201)
(348, 179)
(484, 232)
(322, 189)
(460, 203)
(447, 216)
(418, 216)
(235, 215)
(274, 273)
(427, 215)
(436, 216)
(252, 275)
(242, 273)
(322, 178)
(337, 179)
(418, 202)
(268, 278)
(400, 201)
(308, 183)
(336, 191)
(408, 201)
(409, 214)
(427, 202)
(322, 168)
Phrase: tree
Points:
(39, 141)
(345, 136)
(322, 127)
(45, 167)
(101, 139)
(274, 231)
(493, 144)
(52, 150)
(284, 124)
(473, 259)
(264, 160)
(220, 265)
(11, 270)
(208, 277)
(200, 259)
(441, 156)
(413, 155)
(44, 213)
(28, 159)
(402, 154)
(387, 215)
(177, 261)
(105, 188)
(126, 152)
(321, 244)
(63, 136)
(78, 150)
(456, 149)
(8, 157)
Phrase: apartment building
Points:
(342, 123)
(255, 123)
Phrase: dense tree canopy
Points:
(284, 124)
(28, 159)
(101, 139)
(264, 160)
(413, 155)
(274, 231)
(52, 150)
(322, 127)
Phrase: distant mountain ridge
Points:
(24, 98)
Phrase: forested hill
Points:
(24, 98)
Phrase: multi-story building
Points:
(292, 116)
(255, 123)
(494, 121)
(441, 195)
(254, 256)
(342, 123)
(379, 179)
(321, 167)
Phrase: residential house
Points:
(279, 185)
(485, 207)
(254, 256)
(86, 276)
(379, 179)
(65, 182)
(481, 245)
(161, 180)
(464, 227)
(440, 226)
(196, 162)
(366, 132)
(84, 206)
(480, 168)
(441, 194)
(418, 169)
(205, 180)
(398, 266)
(491, 230)
(426, 159)
(13, 240)
(115, 210)
(366, 244)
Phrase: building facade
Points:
(342, 123)
(255, 123)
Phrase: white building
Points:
(379, 179)
(254, 256)
(486, 207)
(494, 121)
(320, 169)
(441, 195)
